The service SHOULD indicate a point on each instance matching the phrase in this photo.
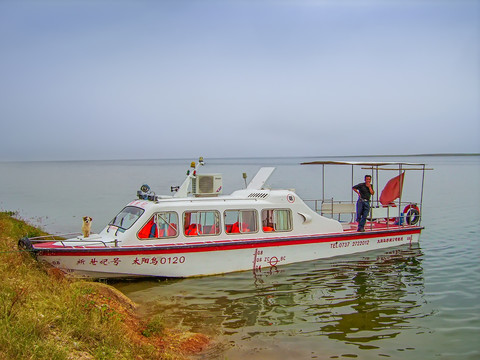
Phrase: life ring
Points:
(412, 214)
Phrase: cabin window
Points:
(161, 225)
(240, 221)
(201, 223)
(127, 217)
(276, 220)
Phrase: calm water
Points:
(404, 303)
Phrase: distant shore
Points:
(250, 157)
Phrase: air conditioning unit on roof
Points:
(207, 185)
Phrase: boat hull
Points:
(217, 257)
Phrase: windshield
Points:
(127, 217)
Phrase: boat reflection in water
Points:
(332, 306)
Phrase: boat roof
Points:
(361, 163)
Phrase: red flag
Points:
(392, 190)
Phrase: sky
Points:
(144, 79)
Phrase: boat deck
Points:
(374, 226)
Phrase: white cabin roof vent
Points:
(207, 185)
(262, 195)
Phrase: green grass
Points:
(45, 316)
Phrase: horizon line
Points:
(257, 157)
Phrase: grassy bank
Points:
(45, 316)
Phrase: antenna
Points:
(245, 179)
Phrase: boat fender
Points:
(306, 218)
(412, 214)
(25, 244)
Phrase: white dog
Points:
(87, 223)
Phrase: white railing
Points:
(378, 212)
(67, 239)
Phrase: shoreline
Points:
(54, 317)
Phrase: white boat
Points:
(199, 231)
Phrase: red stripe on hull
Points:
(222, 245)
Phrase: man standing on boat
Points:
(364, 191)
